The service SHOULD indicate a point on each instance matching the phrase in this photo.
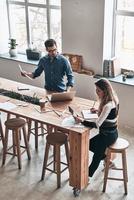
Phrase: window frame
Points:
(26, 5)
(116, 13)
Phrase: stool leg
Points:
(125, 176)
(18, 147)
(26, 143)
(5, 146)
(36, 135)
(106, 170)
(54, 159)
(58, 165)
(29, 122)
(1, 132)
(42, 128)
(14, 144)
(67, 153)
(45, 160)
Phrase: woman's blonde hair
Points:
(109, 93)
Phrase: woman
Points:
(106, 122)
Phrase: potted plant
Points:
(12, 50)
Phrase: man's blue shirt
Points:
(55, 69)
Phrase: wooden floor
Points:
(25, 184)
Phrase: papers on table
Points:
(7, 106)
(70, 122)
(21, 70)
(87, 114)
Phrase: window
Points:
(124, 33)
(34, 21)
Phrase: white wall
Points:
(9, 69)
(82, 30)
(126, 97)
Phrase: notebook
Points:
(61, 96)
(87, 114)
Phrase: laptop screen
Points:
(61, 96)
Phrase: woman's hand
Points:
(93, 110)
(77, 119)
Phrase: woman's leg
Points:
(99, 152)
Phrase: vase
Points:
(13, 52)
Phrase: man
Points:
(55, 67)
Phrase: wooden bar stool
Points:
(35, 130)
(56, 139)
(119, 146)
(15, 125)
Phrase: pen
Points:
(59, 115)
(93, 104)
(20, 89)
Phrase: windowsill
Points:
(118, 79)
(20, 58)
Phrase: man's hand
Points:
(23, 73)
(26, 74)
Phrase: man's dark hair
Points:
(50, 43)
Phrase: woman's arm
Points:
(105, 112)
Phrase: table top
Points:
(31, 111)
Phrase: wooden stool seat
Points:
(119, 146)
(56, 139)
(15, 125)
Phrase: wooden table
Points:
(78, 137)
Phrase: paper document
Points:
(21, 70)
(70, 122)
(87, 114)
(7, 106)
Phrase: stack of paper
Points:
(87, 114)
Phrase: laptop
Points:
(61, 96)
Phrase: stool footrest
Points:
(116, 168)
(53, 170)
(10, 153)
(116, 179)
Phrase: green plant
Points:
(15, 95)
(12, 43)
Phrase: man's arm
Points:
(70, 76)
(36, 73)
